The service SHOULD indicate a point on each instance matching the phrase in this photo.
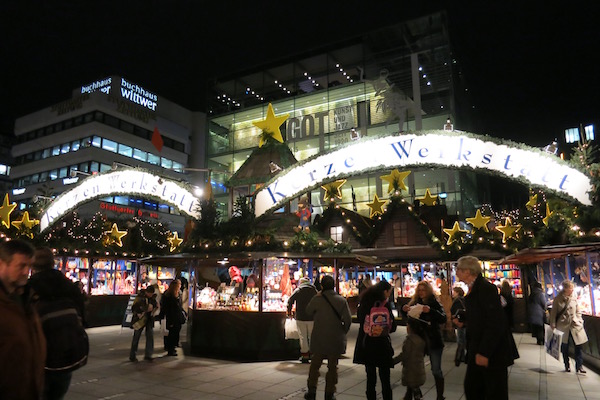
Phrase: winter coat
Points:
(22, 348)
(329, 335)
(140, 308)
(52, 284)
(302, 296)
(377, 351)
(436, 316)
(413, 361)
(537, 306)
(171, 308)
(570, 320)
(509, 309)
(488, 332)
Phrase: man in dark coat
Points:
(537, 311)
(490, 345)
(22, 342)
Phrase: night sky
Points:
(531, 70)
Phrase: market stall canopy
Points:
(538, 254)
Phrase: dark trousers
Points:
(331, 377)
(173, 337)
(564, 347)
(486, 383)
(56, 384)
(149, 341)
(538, 333)
(384, 376)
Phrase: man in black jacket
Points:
(302, 296)
(490, 345)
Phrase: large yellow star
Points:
(175, 241)
(5, 211)
(270, 126)
(376, 206)
(508, 229)
(532, 202)
(549, 213)
(396, 180)
(479, 221)
(428, 200)
(25, 222)
(332, 190)
(115, 235)
(452, 232)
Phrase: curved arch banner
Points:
(457, 150)
(126, 181)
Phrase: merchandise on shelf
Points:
(497, 273)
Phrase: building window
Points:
(572, 135)
(109, 145)
(335, 232)
(589, 132)
(400, 232)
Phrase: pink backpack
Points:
(379, 321)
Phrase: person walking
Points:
(22, 342)
(537, 312)
(432, 315)
(56, 295)
(175, 317)
(332, 320)
(566, 317)
(143, 307)
(458, 310)
(490, 344)
(301, 297)
(508, 302)
(413, 360)
(375, 352)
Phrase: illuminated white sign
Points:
(130, 182)
(18, 191)
(138, 95)
(70, 181)
(103, 86)
(437, 148)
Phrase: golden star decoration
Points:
(549, 213)
(115, 235)
(428, 200)
(376, 207)
(26, 224)
(532, 202)
(479, 221)
(508, 229)
(5, 211)
(396, 180)
(270, 125)
(453, 232)
(175, 241)
(332, 190)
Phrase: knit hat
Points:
(303, 281)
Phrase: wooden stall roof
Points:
(538, 254)
(212, 260)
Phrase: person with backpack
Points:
(373, 344)
(413, 359)
(60, 304)
(432, 315)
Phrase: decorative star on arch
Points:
(453, 232)
(479, 221)
(508, 229)
(428, 200)
(376, 207)
(25, 224)
(175, 241)
(396, 180)
(532, 202)
(332, 190)
(5, 211)
(270, 126)
(549, 213)
(115, 235)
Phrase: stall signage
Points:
(126, 181)
(130, 91)
(472, 152)
(119, 209)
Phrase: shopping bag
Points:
(291, 329)
(553, 341)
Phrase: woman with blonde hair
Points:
(431, 314)
(174, 315)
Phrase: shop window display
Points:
(103, 277)
(510, 272)
(124, 277)
(150, 275)
(77, 269)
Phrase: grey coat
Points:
(570, 320)
(328, 335)
(537, 306)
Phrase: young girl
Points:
(413, 360)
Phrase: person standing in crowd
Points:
(432, 315)
(22, 342)
(413, 360)
(143, 307)
(508, 302)
(302, 296)
(174, 315)
(490, 345)
(365, 283)
(458, 311)
(566, 317)
(332, 321)
(397, 287)
(375, 351)
(54, 292)
(537, 311)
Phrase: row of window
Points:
(96, 116)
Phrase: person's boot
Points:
(310, 395)
(329, 396)
(439, 387)
(408, 395)
(371, 394)
(417, 394)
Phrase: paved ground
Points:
(109, 375)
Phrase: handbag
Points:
(291, 329)
(140, 323)
(334, 310)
